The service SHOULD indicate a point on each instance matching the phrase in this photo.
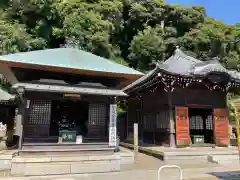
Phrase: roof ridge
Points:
(180, 53)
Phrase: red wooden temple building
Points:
(182, 102)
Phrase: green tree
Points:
(14, 38)
(147, 48)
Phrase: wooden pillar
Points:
(182, 126)
(172, 142)
(113, 123)
(141, 118)
(128, 112)
(135, 133)
(20, 117)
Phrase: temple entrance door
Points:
(69, 114)
(201, 125)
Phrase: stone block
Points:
(46, 169)
(18, 169)
(96, 162)
(69, 158)
(5, 161)
(104, 157)
(5, 164)
(224, 159)
(31, 160)
(110, 166)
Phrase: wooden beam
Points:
(7, 73)
(172, 131)
(72, 71)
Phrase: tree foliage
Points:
(131, 32)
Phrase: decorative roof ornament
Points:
(216, 58)
(179, 52)
(177, 49)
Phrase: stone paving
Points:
(146, 169)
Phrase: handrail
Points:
(170, 166)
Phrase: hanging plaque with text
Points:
(112, 125)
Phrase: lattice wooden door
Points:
(97, 119)
(38, 119)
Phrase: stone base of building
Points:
(57, 160)
(6, 157)
(59, 165)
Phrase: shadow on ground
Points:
(230, 175)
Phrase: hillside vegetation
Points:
(137, 33)
(132, 32)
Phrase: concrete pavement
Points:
(189, 174)
(146, 169)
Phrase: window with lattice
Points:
(97, 114)
(196, 122)
(162, 119)
(39, 112)
(209, 122)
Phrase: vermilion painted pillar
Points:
(221, 127)
(182, 126)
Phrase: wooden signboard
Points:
(221, 127)
(182, 126)
(68, 136)
(113, 125)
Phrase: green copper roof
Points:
(69, 58)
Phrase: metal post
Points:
(135, 141)
(170, 166)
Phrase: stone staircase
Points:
(37, 159)
(67, 158)
(64, 164)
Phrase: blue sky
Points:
(227, 11)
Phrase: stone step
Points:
(54, 148)
(67, 152)
(42, 146)
(54, 139)
(224, 159)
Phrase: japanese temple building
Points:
(7, 112)
(66, 94)
(182, 102)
